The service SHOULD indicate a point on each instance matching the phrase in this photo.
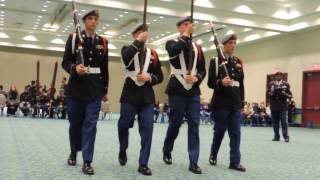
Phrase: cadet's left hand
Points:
(144, 77)
(191, 79)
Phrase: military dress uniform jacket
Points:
(174, 48)
(278, 93)
(89, 86)
(231, 97)
(132, 93)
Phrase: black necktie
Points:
(90, 42)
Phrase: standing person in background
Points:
(87, 86)
(227, 80)
(279, 92)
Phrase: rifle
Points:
(145, 28)
(220, 53)
(52, 88)
(190, 43)
(78, 32)
(53, 82)
(38, 78)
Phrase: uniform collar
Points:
(87, 35)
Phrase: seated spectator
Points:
(264, 117)
(61, 105)
(256, 118)
(25, 101)
(156, 111)
(247, 112)
(12, 101)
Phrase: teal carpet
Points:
(38, 149)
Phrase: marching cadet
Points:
(226, 78)
(279, 92)
(137, 96)
(184, 92)
(88, 84)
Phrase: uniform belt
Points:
(235, 84)
(91, 70)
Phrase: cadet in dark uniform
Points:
(138, 97)
(227, 101)
(88, 84)
(279, 92)
(184, 93)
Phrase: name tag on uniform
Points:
(99, 46)
(91, 70)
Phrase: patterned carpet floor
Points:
(38, 148)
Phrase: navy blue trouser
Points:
(277, 117)
(190, 107)
(145, 119)
(231, 121)
(83, 117)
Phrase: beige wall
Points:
(291, 53)
(18, 67)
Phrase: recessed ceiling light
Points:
(244, 9)
(2, 5)
(1, 12)
(45, 6)
(43, 10)
(168, 32)
(3, 35)
(1, 15)
(126, 12)
(83, 10)
(161, 17)
(39, 16)
(48, 2)
(154, 20)
(121, 15)
(116, 19)
(30, 38)
(3, 0)
(57, 41)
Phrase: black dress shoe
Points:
(213, 160)
(276, 139)
(87, 169)
(237, 167)
(145, 170)
(72, 160)
(123, 158)
(167, 158)
(193, 167)
(286, 139)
